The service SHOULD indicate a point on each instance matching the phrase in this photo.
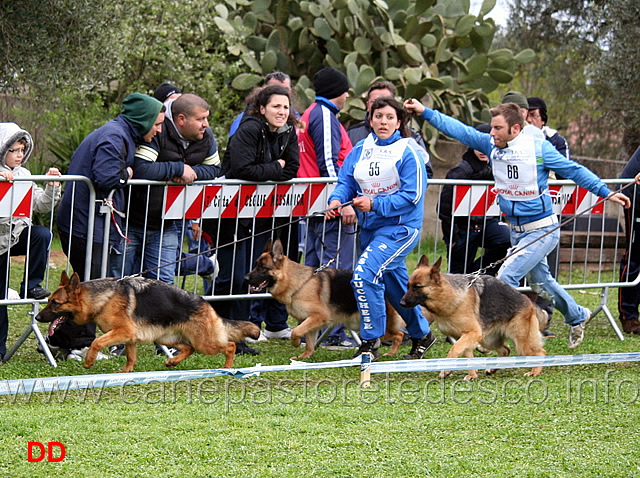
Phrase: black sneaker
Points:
(420, 346)
(59, 353)
(242, 348)
(117, 350)
(370, 346)
(38, 293)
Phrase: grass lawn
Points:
(570, 421)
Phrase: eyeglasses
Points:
(16, 151)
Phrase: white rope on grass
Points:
(75, 382)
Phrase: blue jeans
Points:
(532, 263)
(148, 253)
(324, 238)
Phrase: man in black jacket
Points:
(629, 297)
(469, 232)
(361, 130)
(186, 150)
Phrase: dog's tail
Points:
(238, 330)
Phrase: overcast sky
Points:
(499, 13)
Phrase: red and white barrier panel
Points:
(245, 201)
(15, 199)
(482, 201)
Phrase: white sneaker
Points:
(280, 334)
(262, 338)
(81, 354)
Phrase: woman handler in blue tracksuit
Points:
(385, 175)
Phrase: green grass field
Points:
(570, 421)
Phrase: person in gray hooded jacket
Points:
(17, 235)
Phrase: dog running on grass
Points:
(483, 313)
(136, 309)
(317, 300)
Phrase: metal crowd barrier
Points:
(230, 208)
(17, 201)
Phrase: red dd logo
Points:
(31, 458)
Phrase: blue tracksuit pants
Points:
(381, 272)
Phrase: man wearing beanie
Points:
(519, 99)
(166, 91)
(537, 116)
(105, 156)
(324, 144)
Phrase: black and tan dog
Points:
(317, 300)
(485, 313)
(136, 309)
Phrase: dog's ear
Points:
(424, 261)
(268, 245)
(277, 251)
(435, 271)
(74, 283)
(64, 278)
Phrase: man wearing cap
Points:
(105, 156)
(324, 144)
(537, 116)
(166, 91)
(521, 158)
(518, 99)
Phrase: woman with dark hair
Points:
(264, 148)
(386, 178)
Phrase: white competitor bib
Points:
(376, 171)
(514, 168)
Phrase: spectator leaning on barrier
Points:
(264, 148)
(469, 233)
(17, 235)
(629, 297)
(361, 130)
(106, 157)
(521, 158)
(388, 161)
(184, 151)
(324, 144)
(273, 78)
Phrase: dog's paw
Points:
(491, 371)
(444, 374)
(171, 363)
(295, 340)
(532, 374)
(471, 376)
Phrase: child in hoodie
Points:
(17, 235)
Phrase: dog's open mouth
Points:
(257, 288)
(56, 323)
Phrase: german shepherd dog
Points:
(135, 309)
(485, 313)
(316, 300)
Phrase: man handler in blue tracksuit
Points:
(521, 158)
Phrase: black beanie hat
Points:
(164, 91)
(142, 111)
(330, 83)
(537, 103)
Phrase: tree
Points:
(617, 74)
(585, 69)
(429, 48)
